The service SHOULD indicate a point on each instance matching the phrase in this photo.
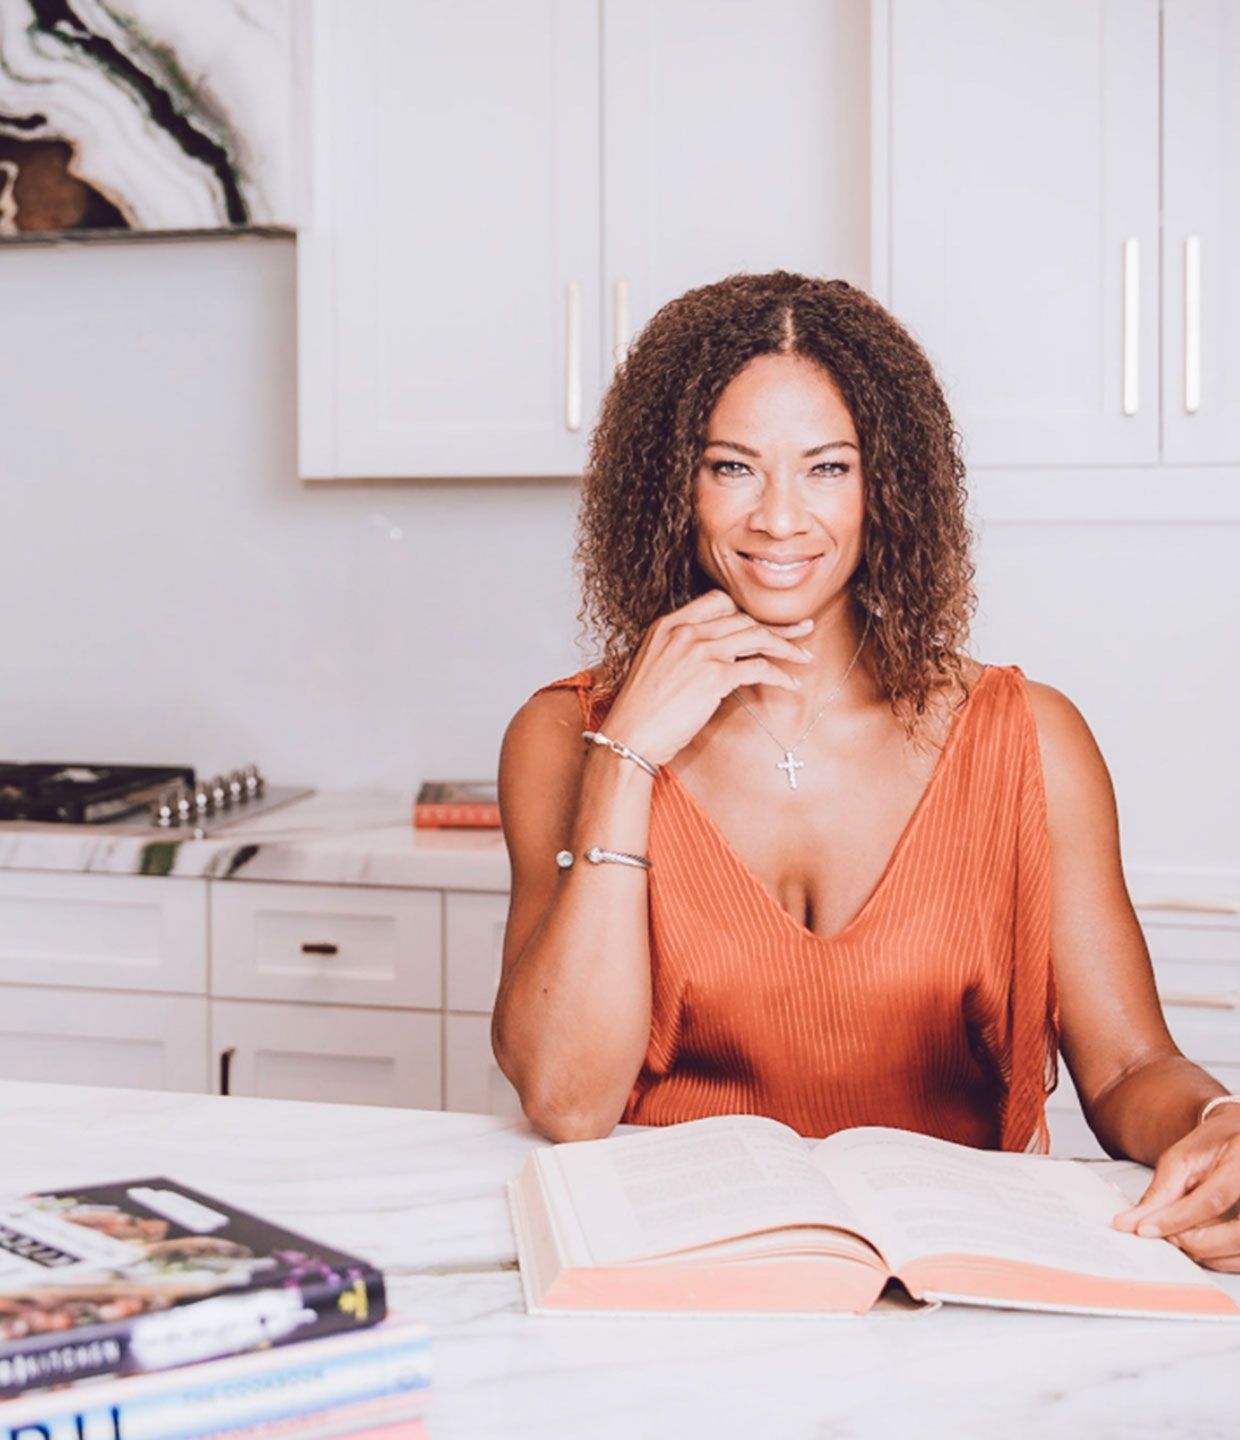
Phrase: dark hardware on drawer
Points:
(226, 1070)
(323, 947)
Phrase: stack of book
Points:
(144, 1310)
(457, 805)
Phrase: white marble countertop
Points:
(339, 837)
(421, 1194)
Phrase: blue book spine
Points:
(201, 1400)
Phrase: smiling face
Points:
(780, 494)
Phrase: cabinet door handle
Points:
(1222, 1001)
(572, 377)
(1192, 323)
(319, 947)
(226, 1057)
(620, 321)
(1195, 907)
(1132, 314)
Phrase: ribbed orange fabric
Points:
(935, 1009)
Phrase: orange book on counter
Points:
(738, 1214)
(457, 804)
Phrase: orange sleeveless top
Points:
(935, 1009)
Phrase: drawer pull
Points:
(226, 1057)
(319, 947)
(1202, 907)
(1192, 323)
(572, 376)
(1132, 315)
(1222, 1001)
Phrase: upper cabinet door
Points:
(1023, 244)
(735, 137)
(448, 291)
(1201, 231)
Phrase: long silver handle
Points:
(1192, 323)
(1132, 314)
(572, 380)
(620, 321)
(1225, 1000)
(1197, 907)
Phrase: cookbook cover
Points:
(148, 1274)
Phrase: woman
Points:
(837, 855)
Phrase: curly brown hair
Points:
(636, 534)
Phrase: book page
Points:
(666, 1189)
(923, 1197)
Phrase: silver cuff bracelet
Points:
(598, 856)
(596, 737)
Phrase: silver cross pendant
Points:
(791, 766)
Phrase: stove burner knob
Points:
(219, 792)
(236, 788)
(184, 799)
(202, 797)
(253, 782)
(163, 812)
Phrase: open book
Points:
(740, 1214)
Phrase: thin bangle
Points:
(596, 737)
(596, 855)
(1218, 1100)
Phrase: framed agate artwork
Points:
(145, 115)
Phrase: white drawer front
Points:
(1197, 967)
(1071, 1137)
(327, 944)
(472, 1080)
(474, 949)
(95, 1037)
(1216, 944)
(123, 932)
(331, 1053)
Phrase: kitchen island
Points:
(421, 1194)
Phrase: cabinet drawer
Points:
(1071, 1137)
(472, 1080)
(473, 949)
(1197, 967)
(114, 932)
(338, 1053)
(97, 1037)
(328, 944)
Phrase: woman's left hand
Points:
(1193, 1199)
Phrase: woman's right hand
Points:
(688, 661)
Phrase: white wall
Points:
(172, 592)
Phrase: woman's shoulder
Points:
(593, 696)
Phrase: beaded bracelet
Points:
(596, 737)
(1218, 1100)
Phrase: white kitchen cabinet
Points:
(338, 1053)
(102, 1037)
(474, 925)
(1023, 225)
(448, 263)
(734, 139)
(1077, 318)
(327, 944)
(1196, 960)
(472, 1079)
(124, 932)
(1201, 231)
(502, 191)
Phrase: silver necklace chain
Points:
(790, 764)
